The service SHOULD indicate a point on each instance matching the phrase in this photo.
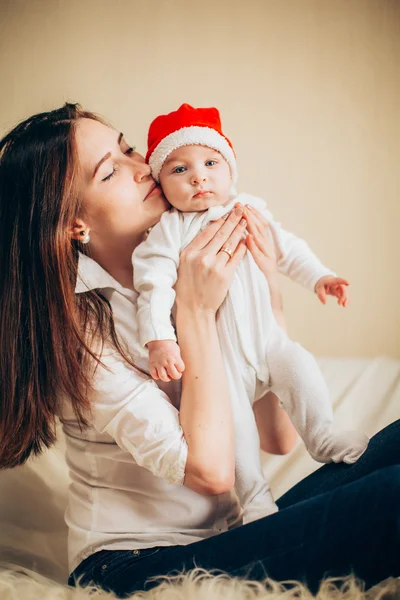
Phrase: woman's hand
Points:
(260, 243)
(208, 263)
(262, 247)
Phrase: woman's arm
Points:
(277, 434)
(276, 298)
(194, 446)
(204, 277)
(205, 410)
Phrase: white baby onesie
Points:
(258, 356)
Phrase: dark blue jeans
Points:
(342, 519)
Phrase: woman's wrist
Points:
(196, 316)
(276, 301)
(275, 292)
(271, 272)
(272, 277)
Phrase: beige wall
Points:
(309, 92)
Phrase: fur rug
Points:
(22, 584)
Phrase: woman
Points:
(151, 485)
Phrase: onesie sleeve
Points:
(155, 266)
(128, 406)
(296, 260)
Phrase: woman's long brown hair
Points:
(44, 349)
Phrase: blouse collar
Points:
(92, 276)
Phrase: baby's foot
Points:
(343, 446)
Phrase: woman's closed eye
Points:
(129, 150)
(113, 172)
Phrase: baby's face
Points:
(194, 178)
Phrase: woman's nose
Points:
(141, 170)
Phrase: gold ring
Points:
(227, 250)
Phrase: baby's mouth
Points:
(202, 194)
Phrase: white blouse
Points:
(127, 468)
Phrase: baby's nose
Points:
(199, 177)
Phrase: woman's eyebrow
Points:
(106, 156)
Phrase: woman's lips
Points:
(154, 190)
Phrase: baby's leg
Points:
(251, 487)
(298, 382)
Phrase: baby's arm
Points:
(297, 261)
(155, 265)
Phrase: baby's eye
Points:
(179, 170)
(211, 163)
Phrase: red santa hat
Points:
(187, 126)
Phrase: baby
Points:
(196, 167)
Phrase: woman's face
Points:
(119, 196)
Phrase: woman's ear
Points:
(78, 230)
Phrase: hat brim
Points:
(190, 136)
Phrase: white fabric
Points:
(156, 261)
(127, 468)
(247, 312)
(33, 498)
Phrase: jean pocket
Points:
(123, 566)
(88, 567)
(120, 562)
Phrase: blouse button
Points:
(136, 552)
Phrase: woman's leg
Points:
(383, 451)
(353, 528)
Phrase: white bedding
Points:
(365, 393)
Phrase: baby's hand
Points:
(165, 360)
(333, 286)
